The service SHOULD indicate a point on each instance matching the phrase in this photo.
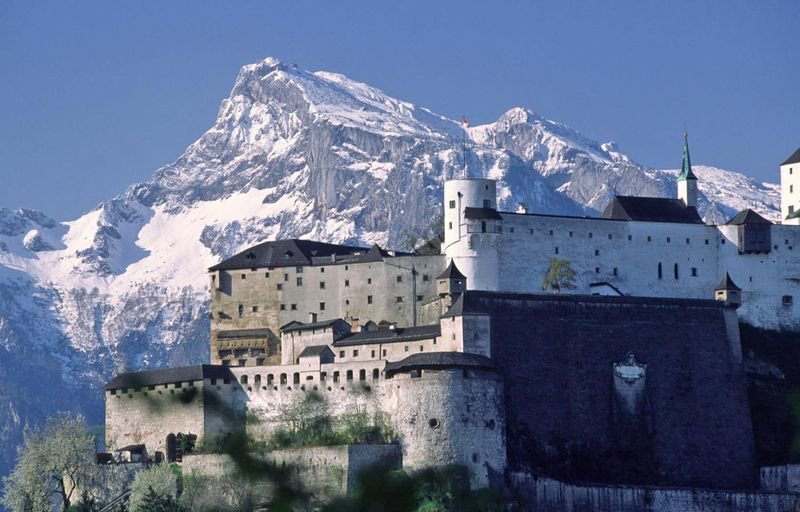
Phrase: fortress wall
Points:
(558, 352)
(595, 247)
(547, 495)
(766, 278)
(147, 416)
(450, 417)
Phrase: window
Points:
(590, 235)
(349, 374)
(241, 311)
(687, 241)
(266, 274)
(242, 362)
(347, 283)
(369, 299)
(419, 298)
(279, 286)
(346, 302)
(294, 307)
(787, 300)
(398, 299)
(298, 270)
(694, 271)
(570, 234)
(616, 272)
(452, 204)
(322, 285)
(630, 237)
(322, 306)
(255, 309)
(556, 250)
(551, 232)
(483, 226)
(244, 276)
(649, 238)
(384, 352)
(706, 241)
(362, 375)
(369, 280)
(341, 353)
(660, 273)
(610, 236)
(669, 240)
(675, 270)
(399, 279)
(597, 252)
(512, 230)
(285, 278)
(321, 270)
(299, 281)
(372, 353)
(596, 270)
(355, 353)
(243, 380)
(406, 348)
(283, 307)
(487, 203)
(425, 278)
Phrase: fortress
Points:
(633, 373)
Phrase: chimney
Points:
(521, 208)
(312, 317)
(333, 258)
(355, 325)
(392, 327)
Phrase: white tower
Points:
(472, 230)
(790, 189)
(687, 181)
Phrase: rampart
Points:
(548, 495)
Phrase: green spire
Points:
(686, 166)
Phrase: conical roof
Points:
(686, 165)
(727, 284)
(451, 272)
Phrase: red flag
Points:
(465, 122)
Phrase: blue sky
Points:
(97, 95)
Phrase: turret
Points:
(687, 181)
(790, 193)
(472, 230)
(451, 283)
(728, 292)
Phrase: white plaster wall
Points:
(790, 189)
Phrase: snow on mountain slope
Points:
(292, 153)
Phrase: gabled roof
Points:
(727, 284)
(481, 213)
(339, 326)
(451, 272)
(169, 376)
(420, 332)
(283, 253)
(440, 361)
(794, 159)
(315, 350)
(747, 216)
(651, 209)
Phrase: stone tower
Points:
(727, 292)
(790, 189)
(687, 181)
(472, 230)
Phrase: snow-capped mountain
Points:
(291, 154)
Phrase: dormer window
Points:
(251, 255)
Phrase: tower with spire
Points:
(687, 181)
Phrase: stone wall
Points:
(558, 354)
(323, 471)
(547, 495)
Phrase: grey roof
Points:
(651, 209)
(727, 284)
(606, 283)
(481, 213)
(748, 216)
(315, 350)
(295, 252)
(295, 326)
(169, 376)
(421, 332)
(451, 272)
(242, 334)
(440, 360)
(794, 159)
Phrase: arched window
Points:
(257, 379)
(283, 378)
(296, 378)
(349, 374)
(270, 379)
(241, 310)
(376, 374)
(335, 376)
(362, 375)
(675, 269)
(243, 380)
(660, 273)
